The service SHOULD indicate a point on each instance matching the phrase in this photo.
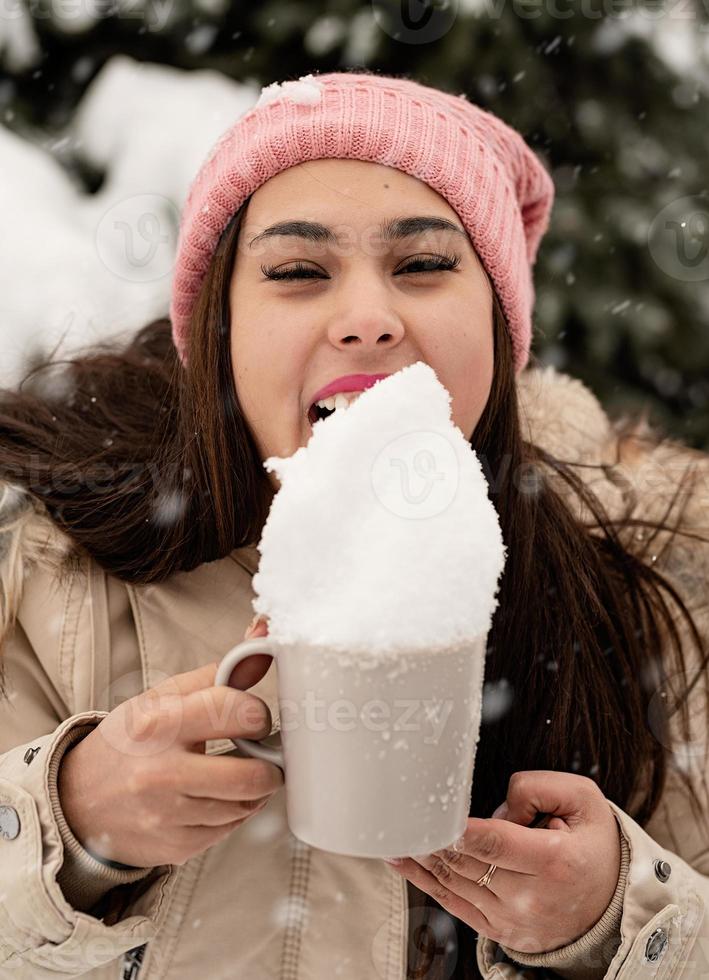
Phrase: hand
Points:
(552, 883)
(139, 788)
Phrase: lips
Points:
(348, 382)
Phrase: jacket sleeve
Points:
(662, 926)
(589, 956)
(49, 880)
(658, 920)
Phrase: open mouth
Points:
(328, 406)
(316, 413)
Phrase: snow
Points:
(76, 18)
(672, 33)
(304, 91)
(392, 484)
(19, 48)
(324, 34)
(81, 267)
(363, 38)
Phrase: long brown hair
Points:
(151, 469)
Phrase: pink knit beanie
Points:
(499, 188)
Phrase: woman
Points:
(135, 496)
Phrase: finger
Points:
(460, 883)
(188, 681)
(228, 777)
(470, 867)
(203, 837)
(468, 912)
(202, 812)
(510, 846)
(257, 627)
(222, 712)
(504, 884)
(567, 796)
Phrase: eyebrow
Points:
(392, 230)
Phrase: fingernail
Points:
(392, 860)
(252, 625)
(501, 812)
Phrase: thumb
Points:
(561, 794)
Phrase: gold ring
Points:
(487, 877)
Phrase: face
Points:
(359, 301)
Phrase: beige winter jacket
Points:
(261, 905)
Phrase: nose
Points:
(366, 325)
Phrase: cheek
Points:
(267, 372)
(481, 378)
(468, 360)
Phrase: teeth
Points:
(341, 400)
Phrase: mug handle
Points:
(238, 653)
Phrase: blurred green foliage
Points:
(611, 94)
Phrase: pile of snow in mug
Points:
(381, 536)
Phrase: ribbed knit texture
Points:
(83, 877)
(589, 956)
(499, 188)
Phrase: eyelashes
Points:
(437, 263)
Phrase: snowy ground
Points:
(82, 266)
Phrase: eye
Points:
(298, 271)
(434, 263)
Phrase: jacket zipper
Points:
(297, 908)
(132, 962)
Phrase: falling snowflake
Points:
(290, 910)
(169, 507)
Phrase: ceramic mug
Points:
(378, 751)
